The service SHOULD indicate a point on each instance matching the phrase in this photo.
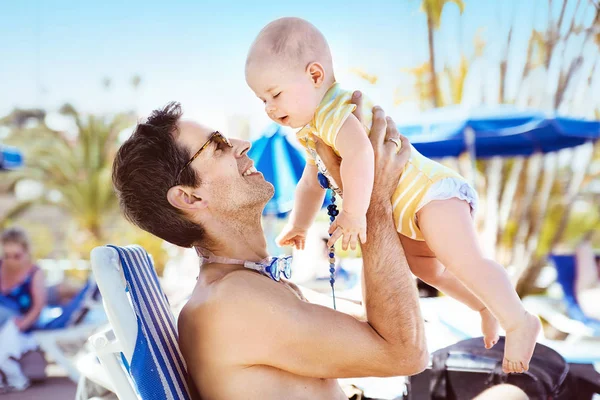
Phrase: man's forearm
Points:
(391, 300)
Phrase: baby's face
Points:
(289, 94)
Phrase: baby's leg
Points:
(448, 230)
(432, 272)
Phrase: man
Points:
(243, 334)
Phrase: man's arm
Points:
(348, 306)
(387, 282)
(386, 274)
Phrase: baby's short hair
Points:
(293, 41)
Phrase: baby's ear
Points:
(316, 73)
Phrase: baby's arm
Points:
(357, 170)
(308, 198)
(307, 203)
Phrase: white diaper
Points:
(449, 188)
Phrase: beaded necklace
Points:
(333, 212)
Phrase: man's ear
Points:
(316, 73)
(185, 198)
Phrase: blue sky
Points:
(193, 51)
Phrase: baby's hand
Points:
(351, 227)
(292, 236)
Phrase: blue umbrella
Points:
(10, 158)
(500, 131)
(281, 163)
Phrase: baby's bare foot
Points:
(520, 343)
(489, 328)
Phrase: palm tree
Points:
(77, 170)
(551, 228)
(433, 9)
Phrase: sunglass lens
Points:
(273, 270)
(287, 267)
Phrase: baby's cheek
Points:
(305, 108)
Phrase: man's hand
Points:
(292, 236)
(389, 160)
(382, 129)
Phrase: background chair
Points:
(564, 314)
(59, 326)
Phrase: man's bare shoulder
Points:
(237, 296)
(220, 320)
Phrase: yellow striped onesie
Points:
(423, 179)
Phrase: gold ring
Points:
(396, 141)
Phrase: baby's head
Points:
(289, 68)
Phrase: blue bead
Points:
(331, 255)
(335, 213)
(332, 270)
(322, 180)
(332, 219)
(332, 281)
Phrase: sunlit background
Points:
(76, 76)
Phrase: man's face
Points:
(230, 183)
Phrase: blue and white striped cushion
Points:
(157, 366)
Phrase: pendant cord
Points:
(333, 212)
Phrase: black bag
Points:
(467, 368)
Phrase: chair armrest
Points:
(108, 350)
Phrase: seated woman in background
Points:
(587, 278)
(22, 285)
(22, 298)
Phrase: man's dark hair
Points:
(146, 167)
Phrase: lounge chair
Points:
(565, 314)
(67, 324)
(139, 355)
(566, 270)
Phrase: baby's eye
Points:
(276, 95)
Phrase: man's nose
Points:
(240, 147)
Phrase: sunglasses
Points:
(216, 137)
(278, 266)
(273, 267)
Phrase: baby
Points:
(289, 67)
